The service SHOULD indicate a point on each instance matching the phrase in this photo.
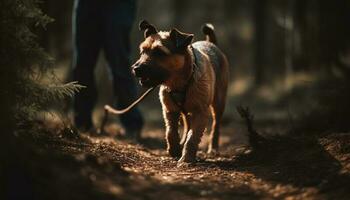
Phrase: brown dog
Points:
(193, 79)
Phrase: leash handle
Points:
(109, 109)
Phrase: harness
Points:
(179, 96)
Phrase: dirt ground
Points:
(291, 163)
(85, 166)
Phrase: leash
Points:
(109, 109)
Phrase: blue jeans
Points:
(104, 25)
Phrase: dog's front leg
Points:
(172, 135)
(198, 123)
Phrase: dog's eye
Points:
(158, 52)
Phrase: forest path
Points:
(285, 168)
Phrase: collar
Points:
(179, 96)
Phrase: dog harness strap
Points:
(179, 97)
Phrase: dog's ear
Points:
(180, 39)
(148, 28)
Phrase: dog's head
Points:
(162, 54)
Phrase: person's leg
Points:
(119, 17)
(87, 44)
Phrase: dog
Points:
(193, 79)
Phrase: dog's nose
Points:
(139, 69)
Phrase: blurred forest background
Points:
(274, 48)
(263, 38)
(290, 63)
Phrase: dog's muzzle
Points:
(149, 76)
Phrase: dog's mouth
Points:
(151, 76)
(144, 80)
(148, 81)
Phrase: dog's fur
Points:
(199, 70)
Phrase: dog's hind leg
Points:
(218, 106)
(217, 112)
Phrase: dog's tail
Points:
(208, 31)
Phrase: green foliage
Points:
(23, 62)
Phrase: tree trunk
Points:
(259, 60)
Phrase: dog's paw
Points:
(186, 160)
(175, 152)
(213, 152)
(183, 164)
